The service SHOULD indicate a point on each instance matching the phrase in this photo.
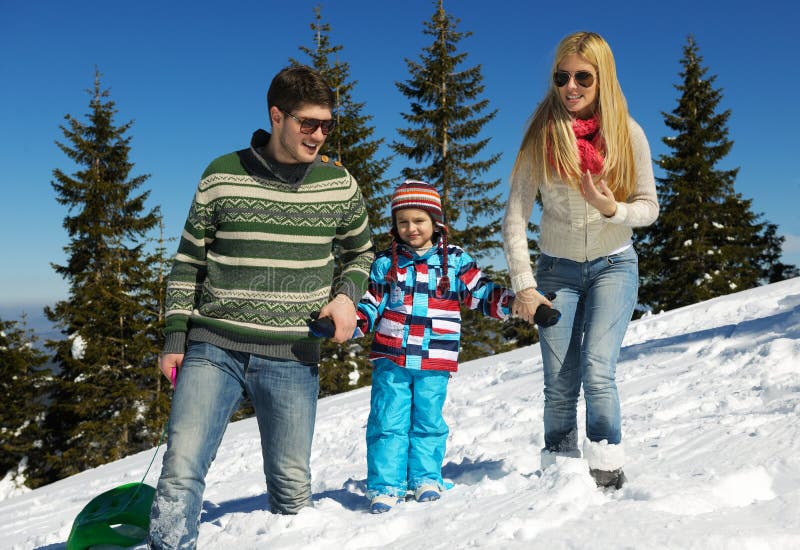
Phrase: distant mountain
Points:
(35, 320)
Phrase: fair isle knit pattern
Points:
(255, 257)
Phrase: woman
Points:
(591, 164)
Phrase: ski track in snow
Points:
(711, 408)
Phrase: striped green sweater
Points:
(256, 255)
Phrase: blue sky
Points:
(193, 76)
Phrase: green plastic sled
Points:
(119, 517)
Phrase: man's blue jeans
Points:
(210, 385)
(596, 299)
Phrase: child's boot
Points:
(427, 493)
(382, 503)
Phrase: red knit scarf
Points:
(590, 144)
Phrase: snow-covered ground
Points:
(711, 420)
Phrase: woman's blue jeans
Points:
(210, 386)
(596, 299)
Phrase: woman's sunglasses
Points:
(584, 78)
(310, 125)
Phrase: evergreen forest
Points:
(95, 394)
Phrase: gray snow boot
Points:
(605, 478)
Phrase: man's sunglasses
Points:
(310, 125)
(584, 78)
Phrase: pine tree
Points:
(770, 246)
(106, 381)
(352, 141)
(442, 141)
(707, 241)
(153, 301)
(24, 380)
(345, 366)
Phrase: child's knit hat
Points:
(421, 195)
(418, 194)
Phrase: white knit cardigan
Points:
(570, 227)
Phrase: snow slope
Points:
(711, 420)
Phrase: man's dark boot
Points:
(604, 478)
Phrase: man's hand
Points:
(170, 364)
(343, 312)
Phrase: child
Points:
(412, 303)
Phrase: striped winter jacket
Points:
(414, 327)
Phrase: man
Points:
(254, 261)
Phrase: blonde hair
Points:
(549, 143)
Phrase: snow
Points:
(78, 349)
(710, 402)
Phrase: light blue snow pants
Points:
(406, 433)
